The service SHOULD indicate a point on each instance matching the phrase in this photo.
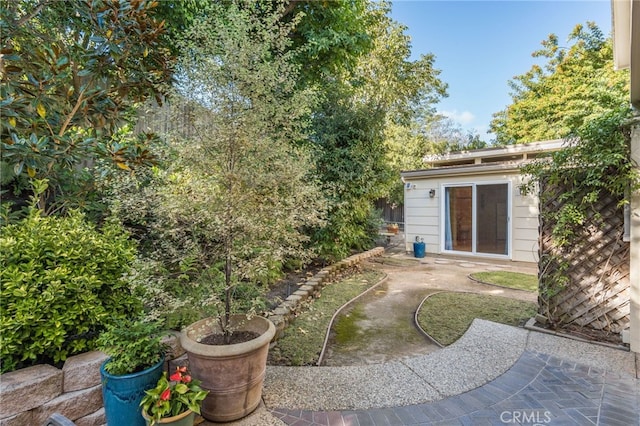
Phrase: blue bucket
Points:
(419, 249)
(122, 394)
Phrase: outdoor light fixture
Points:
(432, 193)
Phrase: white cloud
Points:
(464, 117)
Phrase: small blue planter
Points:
(122, 394)
(419, 249)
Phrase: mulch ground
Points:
(588, 334)
(290, 283)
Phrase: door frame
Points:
(473, 185)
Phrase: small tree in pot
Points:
(248, 172)
(254, 195)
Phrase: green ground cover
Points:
(446, 316)
(302, 340)
(516, 280)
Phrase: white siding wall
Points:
(423, 214)
(524, 229)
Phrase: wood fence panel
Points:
(391, 213)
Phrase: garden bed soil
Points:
(236, 337)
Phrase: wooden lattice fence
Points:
(587, 283)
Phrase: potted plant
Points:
(254, 188)
(136, 357)
(174, 401)
(393, 228)
(232, 373)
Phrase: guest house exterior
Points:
(473, 204)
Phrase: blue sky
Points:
(481, 45)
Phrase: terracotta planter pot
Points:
(233, 374)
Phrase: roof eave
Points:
(474, 169)
(525, 148)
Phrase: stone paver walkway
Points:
(494, 375)
(538, 389)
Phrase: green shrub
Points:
(353, 226)
(61, 282)
(132, 345)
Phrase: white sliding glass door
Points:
(476, 218)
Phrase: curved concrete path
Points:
(494, 375)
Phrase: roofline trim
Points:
(535, 147)
(472, 169)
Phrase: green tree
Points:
(384, 88)
(350, 164)
(577, 84)
(70, 73)
(427, 134)
(244, 190)
(577, 97)
(329, 37)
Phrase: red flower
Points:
(173, 394)
(166, 395)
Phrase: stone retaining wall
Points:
(284, 314)
(30, 395)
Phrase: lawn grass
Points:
(301, 342)
(514, 280)
(446, 316)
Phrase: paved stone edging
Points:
(282, 315)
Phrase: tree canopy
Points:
(70, 73)
(75, 74)
(329, 37)
(577, 84)
(359, 103)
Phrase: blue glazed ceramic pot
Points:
(122, 394)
